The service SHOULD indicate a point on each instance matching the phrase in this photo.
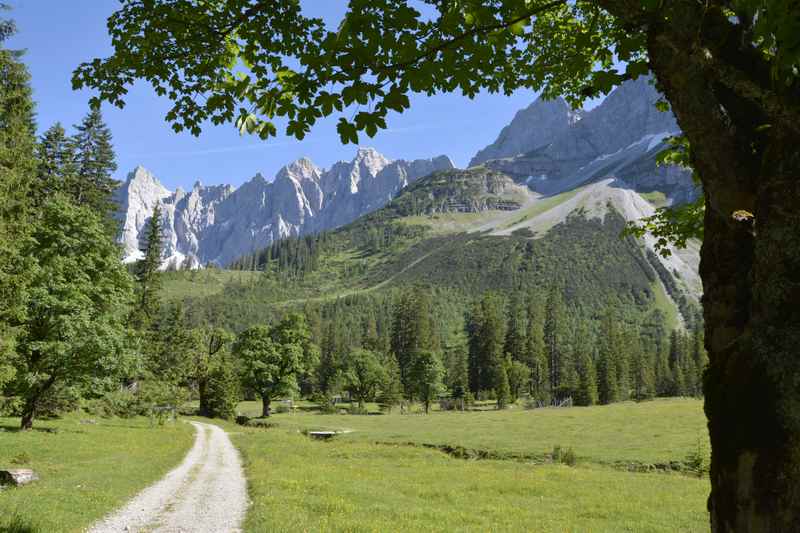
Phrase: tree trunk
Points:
(750, 267)
(32, 403)
(265, 402)
(751, 386)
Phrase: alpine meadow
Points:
(557, 292)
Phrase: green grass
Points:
(201, 283)
(653, 432)
(354, 484)
(85, 470)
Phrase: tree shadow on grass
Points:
(16, 429)
(18, 524)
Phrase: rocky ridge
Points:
(217, 224)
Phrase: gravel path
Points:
(205, 493)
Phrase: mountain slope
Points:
(217, 224)
(465, 232)
(620, 137)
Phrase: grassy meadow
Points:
(86, 470)
(382, 477)
(653, 432)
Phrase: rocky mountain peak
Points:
(619, 138)
(532, 127)
(218, 224)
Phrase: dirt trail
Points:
(207, 492)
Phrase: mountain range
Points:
(217, 224)
(547, 149)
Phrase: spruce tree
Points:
(147, 275)
(501, 386)
(642, 371)
(610, 345)
(516, 329)
(555, 337)
(412, 331)
(535, 355)
(586, 389)
(486, 334)
(17, 173)
(96, 162)
(57, 168)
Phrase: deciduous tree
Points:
(728, 69)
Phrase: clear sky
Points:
(58, 35)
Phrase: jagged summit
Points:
(551, 151)
(219, 223)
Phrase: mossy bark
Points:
(750, 259)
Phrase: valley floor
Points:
(391, 473)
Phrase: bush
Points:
(355, 409)
(281, 407)
(325, 403)
(223, 392)
(699, 460)
(57, 401)
(10, 406)
(121, 402)
(560, 455)
(242, 420)
(263, 423)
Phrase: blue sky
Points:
(58, 35)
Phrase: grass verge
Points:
(86, 470)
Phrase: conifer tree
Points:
(535, 355)
(677, 357)
(96, 162)
(147, 275)
(562, 376)
(17, 173)
(57, 165)
(392, 388)
(519, 377)
(516, 330)
(501, 386)
(486, 334)
(426, 376)
(642, 373)
(610, 345)
(411, 331)
(586, 389)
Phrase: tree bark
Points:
(265, 402)
(750, 267)
(32, 403)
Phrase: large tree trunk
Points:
(750, 267)
(265, 402)
(32, 399)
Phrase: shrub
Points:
(356, 409)
(699, 459)
(223, 392)
(10, 405)
(242, 420)
(568, 457)
(281, 407)
(263, 423)
(560, 455)
(121, 402)
(57, 401)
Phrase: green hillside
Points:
(441, 232)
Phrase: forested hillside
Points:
(577, 309)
